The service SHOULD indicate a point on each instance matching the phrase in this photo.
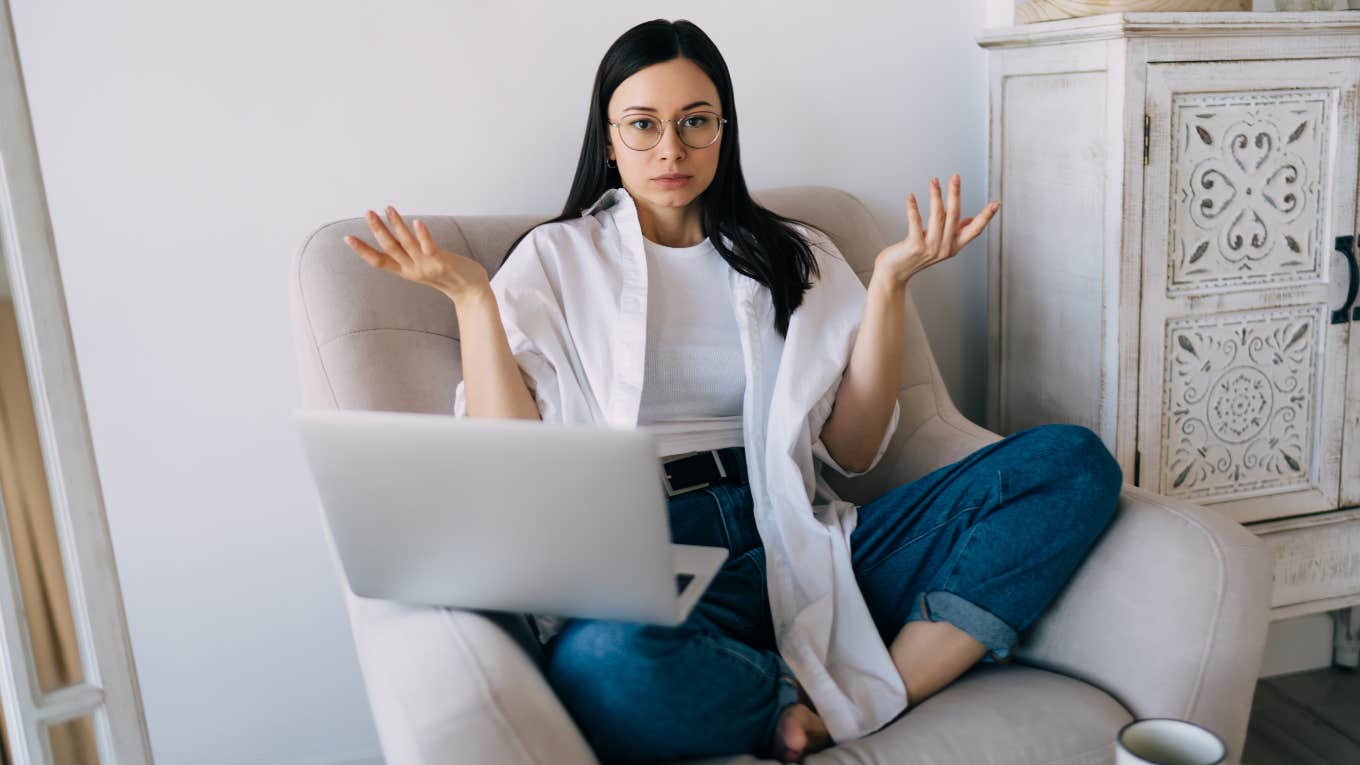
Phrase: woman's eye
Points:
(641, 124)
(696, 121)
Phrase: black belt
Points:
(687, 472)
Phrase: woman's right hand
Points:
(415, 257)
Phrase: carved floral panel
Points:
(1239, 413)
(1247, 183)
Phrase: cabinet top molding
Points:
(1185, 24)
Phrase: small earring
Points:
(607, 161)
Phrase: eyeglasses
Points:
(641, 132)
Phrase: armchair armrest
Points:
(1167, 614)
(447, 683)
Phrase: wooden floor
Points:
(1306, 718)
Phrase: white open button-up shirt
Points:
(573, 298)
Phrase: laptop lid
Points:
(515, 515)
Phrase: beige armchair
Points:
(1166, 617)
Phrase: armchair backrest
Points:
(367, 339)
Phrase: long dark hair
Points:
(764, 246)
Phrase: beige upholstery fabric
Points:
(1166, 618)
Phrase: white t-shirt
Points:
(694, 377)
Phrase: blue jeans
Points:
(985, 543)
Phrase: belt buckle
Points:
(666, 478)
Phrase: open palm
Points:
(411, 253)
(946, 235)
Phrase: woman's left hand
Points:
(946, 235)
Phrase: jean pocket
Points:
(696, 518)
(738, 515)
(917, 535)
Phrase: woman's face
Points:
(669, 90)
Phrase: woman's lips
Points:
(672, 183)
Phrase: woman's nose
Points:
(671, 145)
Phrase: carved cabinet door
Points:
(1250, 180)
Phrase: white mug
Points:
(1167, 741)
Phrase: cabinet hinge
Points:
(1147, 129)
(1137, 465)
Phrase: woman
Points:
(759, 349)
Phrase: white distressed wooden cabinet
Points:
(1173, 265)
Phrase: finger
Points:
(914, 225)
(404, 235)
(388, 242)
(951, 213)
(935, 233)
(370, 255)
(427, 244)
(979, 222)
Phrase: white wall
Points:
(187, 148)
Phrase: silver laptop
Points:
(509, 515)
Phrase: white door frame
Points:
(109, 693)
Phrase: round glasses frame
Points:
(662, 134)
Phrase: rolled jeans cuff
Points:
(984, 626)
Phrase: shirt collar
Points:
(618, 200)
(607, 200)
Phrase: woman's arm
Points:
(864, 402)
(492, 381)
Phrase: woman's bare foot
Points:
(800, 732)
